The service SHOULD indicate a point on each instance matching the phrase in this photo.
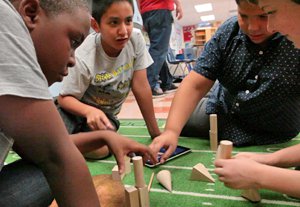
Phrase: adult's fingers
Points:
(155, 147)
(167, 154)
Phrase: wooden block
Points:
(144, 196)
(213, 122)
(213, 137)
(251, 195)
(127, 165)
(150, 182)
(224, 150)
(164, 178)
(132, 197)
(138, 171)
(200, 173)
(115, 173)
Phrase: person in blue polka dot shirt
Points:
(256, 96)
(241, 172)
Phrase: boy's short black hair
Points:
(256, 1)
(54, 7)
(99, 7)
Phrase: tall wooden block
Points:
(213, 122)
(132, 197)
(213, 138)
(224, 150)
(213, 132)
(144, 196)
(138, 171)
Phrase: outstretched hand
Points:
(166, 140)
(121, 146)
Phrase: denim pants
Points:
(158, 24)
(23, 184)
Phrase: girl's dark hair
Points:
(99, 7)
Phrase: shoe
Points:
(157, 92)
(170, 89)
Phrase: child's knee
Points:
(98, 154)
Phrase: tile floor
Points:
(130, 109)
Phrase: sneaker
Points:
(170, 89)
(157, 92)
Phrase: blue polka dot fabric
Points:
(258, 96)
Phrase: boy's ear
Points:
(29, 11)
(95, 25)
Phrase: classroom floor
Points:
(130, 109)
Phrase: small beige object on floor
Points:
(150, 182)
(164, 178)
(213, 132)
(201, 173)
(251, 195)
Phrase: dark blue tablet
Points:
(180, 150)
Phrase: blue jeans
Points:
(158, 24)
(23, 184)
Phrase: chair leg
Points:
(182, 69)
(175, 70)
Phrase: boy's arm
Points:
(281, 180)
(96, 119)
(191, 90)
(287, 157)
(243, 174)
(40, 137)
(118, 145)
(142, 92)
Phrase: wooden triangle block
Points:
(200, 173)
(164, 178)
(251, 195)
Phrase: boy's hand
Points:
(97, 120)
(121, 146)
(261, 158)
(238, 173)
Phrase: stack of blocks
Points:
(223, 151)
(137, 196)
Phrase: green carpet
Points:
(188, 193)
